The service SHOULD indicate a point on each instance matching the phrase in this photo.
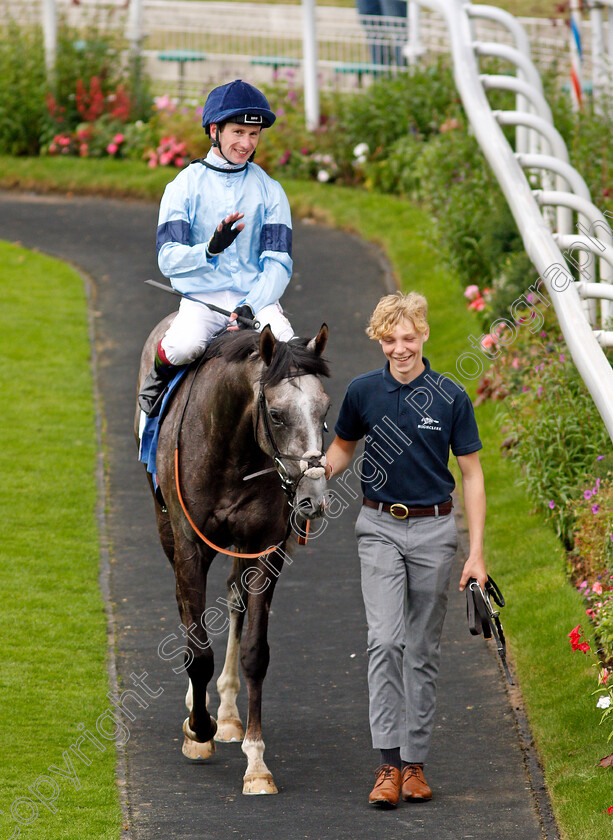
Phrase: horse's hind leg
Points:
(229, 726)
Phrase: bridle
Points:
(312, 462)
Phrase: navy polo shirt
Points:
(408, 430)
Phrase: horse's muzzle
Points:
(310, 507)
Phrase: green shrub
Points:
(553, 429)
(23, 86)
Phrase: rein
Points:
(287, 484)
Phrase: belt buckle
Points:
(404, 511)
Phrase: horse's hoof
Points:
(257, 784)
(196, 750)
(229, 730)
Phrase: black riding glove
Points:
(221, 239)
(244, 311)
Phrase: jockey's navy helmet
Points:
(238, 102)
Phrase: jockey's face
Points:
(238, 142)
(403, 348)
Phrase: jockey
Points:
(224, 236)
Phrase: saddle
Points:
(484, 620)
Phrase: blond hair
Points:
(392, 309)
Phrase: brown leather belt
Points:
(400, 511)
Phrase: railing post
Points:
(576, 55)
(49, 11)
(309, 65)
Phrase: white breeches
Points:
(191, 331)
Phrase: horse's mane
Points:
(290, 358)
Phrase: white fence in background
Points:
(262, 42)
(535, 177)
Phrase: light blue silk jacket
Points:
(258, 264)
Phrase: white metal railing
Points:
(576, 303)
(230, 35)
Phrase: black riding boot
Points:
(153, 386)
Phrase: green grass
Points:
(97, 176)
(523, 553)
(53, 644)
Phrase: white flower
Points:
(360, 150)
(323, 176)
(603, 702)
(360, 160)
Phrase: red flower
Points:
(574, 636)
(610, 809)
(90, 104)
(121, 105)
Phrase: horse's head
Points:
(291, 407)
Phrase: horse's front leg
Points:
(255, 655)
(191, 567)
(229, 725)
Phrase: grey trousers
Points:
(406, 567)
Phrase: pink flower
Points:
(478, 304)
(112, 148)
(587, 494)
(488, 341)
(118, 138)
(471, 292)
(515, 363)
(597, 588)
(595, 509)
(552, 504)
(562, 357)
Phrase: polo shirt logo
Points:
(430, 424)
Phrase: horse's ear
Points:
(317, 345)
(267, 344)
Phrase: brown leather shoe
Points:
(414, 787)
(386, 791)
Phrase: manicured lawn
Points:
(54, 644)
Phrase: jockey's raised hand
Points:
(224, 234)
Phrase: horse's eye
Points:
(325, 426)
(277, 416)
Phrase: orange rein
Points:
(207, 541)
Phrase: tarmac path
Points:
(315, 716)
